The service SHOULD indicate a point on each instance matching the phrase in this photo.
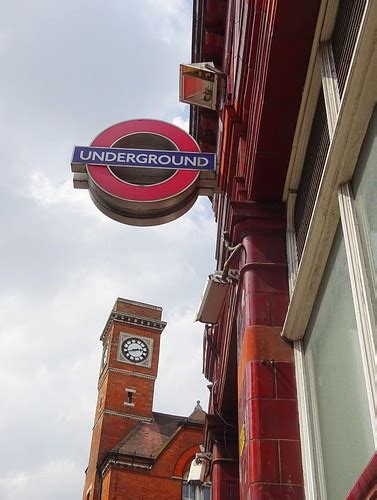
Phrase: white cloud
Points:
(183, 123)
(74, 68)
(181, 359)
(44, 191)
(49, 193)
(50, 479)
(168, 18)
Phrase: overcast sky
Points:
(69, 70)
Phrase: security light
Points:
(202, 85)
(199, 468)
(213, 298)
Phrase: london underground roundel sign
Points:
(143, 172)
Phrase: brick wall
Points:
(159, 482)
(110, 428)
(141, 486)
(138, 310)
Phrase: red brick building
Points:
(137, 453)
(291, 353)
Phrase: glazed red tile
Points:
(234, 491)
(290, 462)
(256, 247)
(285, 381)
(269, 280)
(279, 307)
(277, 250)
(223, 490)
(260, 380)
(275, 492)
(273, 419)
(258, 309)
(226, 471)
(263, 461)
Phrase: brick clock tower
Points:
(131, 345)
(135, 452)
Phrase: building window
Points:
(206, 492)
(335, 359)
(188, 491)
(195, 491)
(365, 201)
(338, 349)
(340, 424)
(314, 163)
(130, 393)
(344, 37)
(105, 355)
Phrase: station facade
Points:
(291, 358)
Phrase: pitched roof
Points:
(147, 440)
(198, 415)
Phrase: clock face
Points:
(134, 350)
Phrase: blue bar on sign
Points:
(145, 158)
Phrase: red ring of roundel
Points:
(176, 184)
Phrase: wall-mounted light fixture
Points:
(216, 289)
(199, 468)
(201, 84)
(213, 298)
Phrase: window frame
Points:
(198, 488)
(361, 295)
(346, 138)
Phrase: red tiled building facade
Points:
(291, 358)
(136, 453)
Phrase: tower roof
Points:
(198, 415)
(135, 313)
